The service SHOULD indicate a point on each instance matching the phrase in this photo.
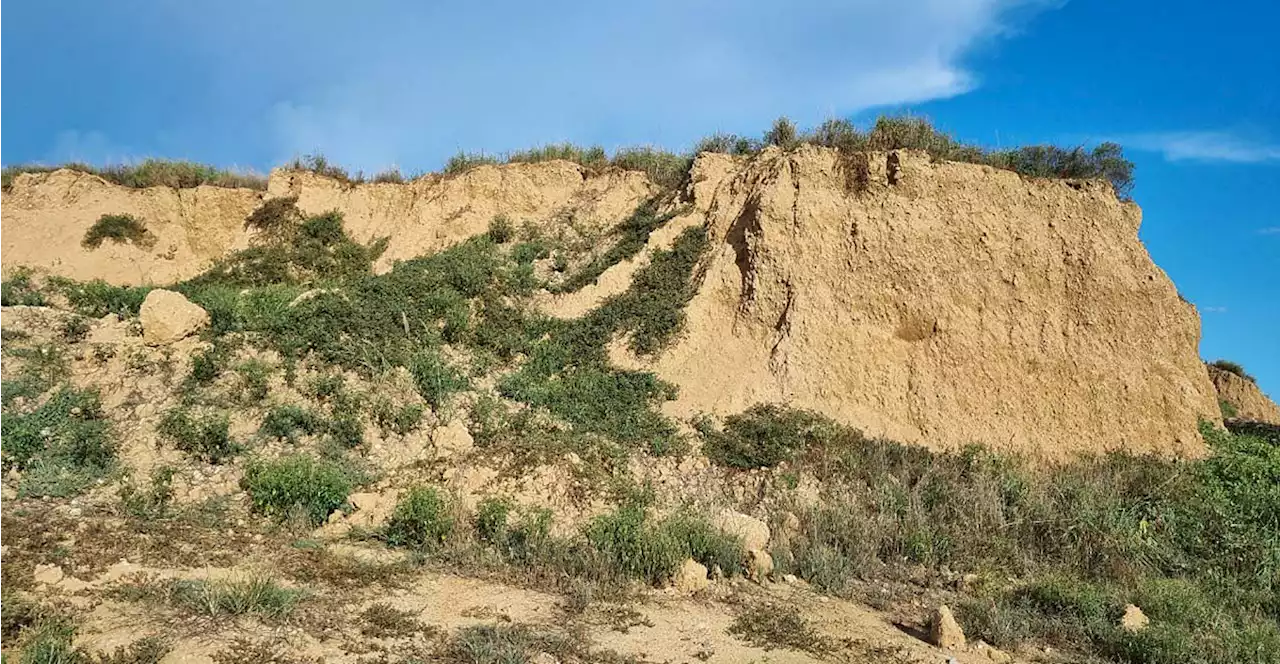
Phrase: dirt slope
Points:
(46, 214)
(1249, 401)
(944, 304)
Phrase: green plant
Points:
(391, 175)
(97, 298)
(62, 446)
(152, 503)
(254, 376)
(422, 520)
(345, 429)
(318, 164)
(706, 544)
(400, 419)
(276, 220)
(1233, 367)
(783, 134)
(205, 436)
(435, 379)
(764, 436)
(74, 329)
(20, 290)
(257, 595)
(297, 484)
(1227, 408)
(501, 230)
(286, 421)
(633, 234)
(465, 161)
(151, 173)
(118, 228)
(633, 546)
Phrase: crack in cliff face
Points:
(745, 237)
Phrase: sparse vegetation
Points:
(20, 290)
(151, 173)
(62, 446)
(259, 596)
(119, 228)
(636, 547)
(772, 626)
(297, 485)
(205, 436)
(1234, 368)
(153, 502)
(423, 520)
(381, 621)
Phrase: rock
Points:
(452, 439)
(759, 565)
(790, 578)
(993, 653)
(944, 631)
(1134, 620)
(753, 531)
(167, 317)
(691, 577)
(47, 574)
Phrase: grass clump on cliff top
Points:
(151, 173)
(118, 228)
(1234, 368)
(1103, 162)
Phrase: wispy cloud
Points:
(416, 84)
(1269, 230)
(1214, 310)
(1225, 146)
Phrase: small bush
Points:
(783, 134)
(389, 176)
(118, 228)
(152, 503)
(287, 421)
(491, 520)
(204, 436)
(1233, 367)
(318, 164)
(276, 220)
(74, 329)
(399, 419)
(465, 161)
(208, 364)
(98, 298)
(62, 446)
(634, 547)
(253, 386)
(501, 230)
(383, 621)
(706, 544)
(20, 290)
(345, 429)
(297, 484)
(258, 596)
(764, 436)
(422, 520)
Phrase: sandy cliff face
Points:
(934, 303)
(942, 304)
(46, 215)
(1249, 401)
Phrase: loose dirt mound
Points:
(1243, 395)
(941, 304)
(46, 215)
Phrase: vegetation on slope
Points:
(150, 173)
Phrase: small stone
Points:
(753, 531)
(167, 316)
(47, 574)
(691, 577)
(944, 631)
(1134, 620)
(790, 578)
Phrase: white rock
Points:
(167, 317)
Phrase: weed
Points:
(62, 446)
(400, 419)
(152, 173)
(764, 436)
(1233, 367)
(74, 329)
(699, 540)
(345, 429)
(245, 651)
(435, 379)
(422, 520)
(98, 298)
(208, 364)
(389, 176)
(318, 164)
(501, 230)
(1227, 409)
(152, 503)
(254, 376)
(299, 483)
(383, 621)
(20, 290)
(204, 436)
(119, 228)
(287, 421)
(256, 595)
(633, 546)
(772, 626)
(465, 161)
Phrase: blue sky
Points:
(1193, 92)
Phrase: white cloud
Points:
(1269, 230)
(92, 147)
(414, 83)
(1215, 310)
(1205, 146)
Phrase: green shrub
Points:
(297, 484)
(287, 421)
(706, 544)
(501, 230)
(208, 364)
(783, 134)
(633, 234)
(399, 419)
(764, 436)
(1227, 409)
(435, 379)
(422, 520)
(1233, 367)
(665, 169)
(276, 220)
(74, 329)
(491, 520)
(98, 298)
(345, 429)
(318, 164)
(62, 446)
(20, 290)
(254, 381)
(634, 547)
(465, 161)
(118, 228)
(204, 436)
